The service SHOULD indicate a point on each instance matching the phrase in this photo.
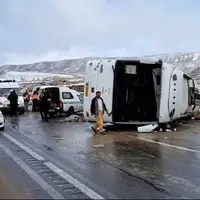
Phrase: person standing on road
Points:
(38, 96)
(97, 109)
(44, 105)
(35, 99)
(13, 98)
(26, 96)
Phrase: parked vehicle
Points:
(5, 87)
(2, 120)
(140, 91)
(63, 100)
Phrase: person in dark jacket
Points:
(13, 98)
(97, 109)
(38, 107)
(44, 105)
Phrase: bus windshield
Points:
(4, 92)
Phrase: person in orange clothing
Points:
(97, 109)
(26, 96)
(35, 100)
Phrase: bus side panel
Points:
(105, 85)
(178, 96)
(165, 85)
(197, 96)
(193, 99)
(90, 85)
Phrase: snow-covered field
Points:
(29, 76)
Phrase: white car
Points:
(63, 100)
(5, 88)
(2, 121)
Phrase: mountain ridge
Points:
(187, 61)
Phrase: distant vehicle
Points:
(63, 100)
(2, 121)
(78, 86)
(140, 91)
(5, 87)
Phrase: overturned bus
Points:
(142, 91)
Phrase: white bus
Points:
(142, 91)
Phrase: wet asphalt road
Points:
(15, 183)
(129, 165)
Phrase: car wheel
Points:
(2, 128)
(50, 115)
(70, 111)
(22, 112)
(60, 114)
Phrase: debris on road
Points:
(197, 116)
(57, 137)
(156, 128)
(147, 128)
(99, 145)
(73, 118)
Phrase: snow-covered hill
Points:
(188, 62)
(69, 69)
(74, 68)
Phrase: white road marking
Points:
(90, 193)
(168, 145)
(50, 190)
(32, 153)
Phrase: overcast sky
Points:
(38, 30)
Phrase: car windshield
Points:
(4, 92)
